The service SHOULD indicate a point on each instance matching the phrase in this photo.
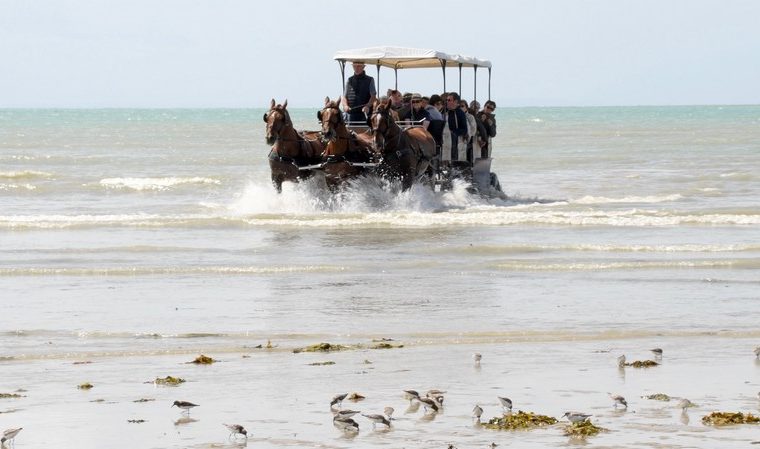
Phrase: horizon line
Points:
(11, 108)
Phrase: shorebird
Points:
(345, 424)
(436, 395)
(338, 400)
(430, 403)
(236, 429)
(684, 403)
(477, 357)
(657, 352)
(621, 361)
(377, 419)
(185, 406)
(506, 403)
(576, 417)
(411, 395)
(757, 351)
(346, 413)
(619, 400)
(477, 412)
(9, 435)
(389, 412)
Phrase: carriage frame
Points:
(478, 172)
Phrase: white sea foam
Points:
(628, 199)
(24, 174)
(532, 265)
(169, 270)
(306, 213)
(12, 186)
(155, 183)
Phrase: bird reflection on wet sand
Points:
(185, 420)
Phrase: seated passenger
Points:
(406, 107)
(396, 100)
(418, 112)
(454, 133)
(436, 118)
(472, 130)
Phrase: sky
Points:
(242, 53)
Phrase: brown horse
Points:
(290, 149)
(345, 153)
(406, 153)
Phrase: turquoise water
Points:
(137, 239)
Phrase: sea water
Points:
(132, 241)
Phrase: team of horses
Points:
(386, 149)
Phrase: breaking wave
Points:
(155, 183)
(24, 174)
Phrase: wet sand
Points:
(283, 401)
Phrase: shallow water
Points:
(137, 240)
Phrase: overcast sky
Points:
(241, 53)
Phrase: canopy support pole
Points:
(489, 84)
(378, 77)
(443, 67)
(395, 73)
(342, 76)
(475, 83)
(460, 80)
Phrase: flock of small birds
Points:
(432, 402)
(235, 429)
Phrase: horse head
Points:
(330, 117)
(276, 119)
(380, 122)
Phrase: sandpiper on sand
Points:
(377, 419)
(506, 403)
(576, 417)
(236, 429)
(185, 406)
(10, 434)
(618, 400)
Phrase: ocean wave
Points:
(16, 187)
(454, 217)
(601, 248)
(552, 265)
(627, 199)
(140, 184)
(142, 271)
(24, 174)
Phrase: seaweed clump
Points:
(583, 429)
(10, 395)
(329, 362)
(203, 360)
(85, 386)
(386, 345)
(642, 364)
(729, 418)
(321, 347)
(168, 380)
(519, 421)
(658, 397)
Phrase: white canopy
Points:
(408, 58)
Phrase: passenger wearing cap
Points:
(418, 112)
(360, 94)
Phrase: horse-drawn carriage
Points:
(381, 146)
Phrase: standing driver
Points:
(360, 94)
